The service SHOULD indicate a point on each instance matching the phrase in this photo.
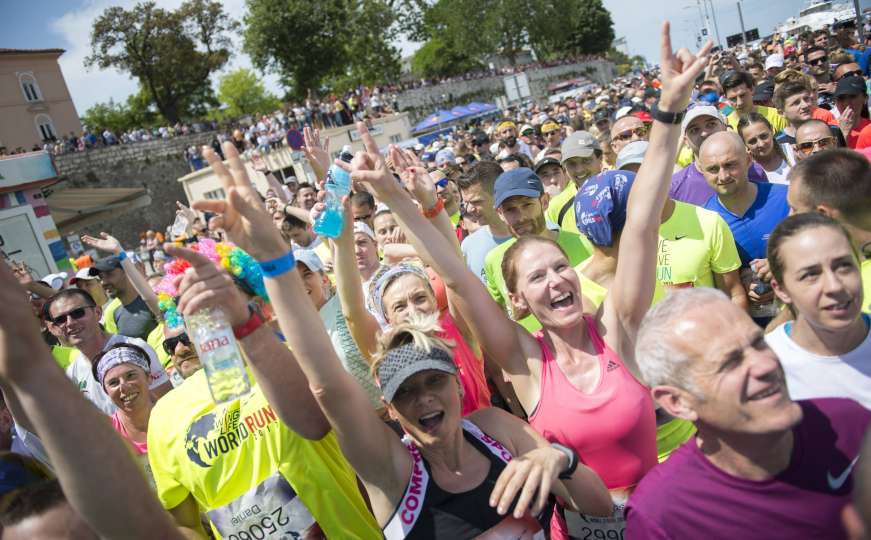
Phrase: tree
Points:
(171, 53)
(243, 93)
(119, 117)
(435, 59)
(310, 44)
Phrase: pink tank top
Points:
(141, 448)
(613, 428)
(470, 368)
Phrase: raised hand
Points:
(241, 215)
(679, 71)
(22, 273)
(19, 333)
(185, 211)
(204, 285)
(415, 178)
(528, 479)
(370, 168)
(317, 153)
(106, 242)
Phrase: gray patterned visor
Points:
(403, 362)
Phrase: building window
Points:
(394, 139)
(45, 127)
(215, 194)
(29, 87)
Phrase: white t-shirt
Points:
(811, 376)
(79, 371)
(778, 175)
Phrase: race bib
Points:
(511, 528)
(584, 527)
(269, 511)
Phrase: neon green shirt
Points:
(778, 122)
(249, 472)
(866, 285)
(693, 245)
(577, 247)
(594, 292)
(556, 205)
(109, 316)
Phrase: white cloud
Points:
(90, 86)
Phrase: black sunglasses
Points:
(817, 61)
(169, 344)
(76, 314)
(854, 73)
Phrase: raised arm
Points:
(632, 291)
(499, 337)
(365, 440)
(68, 426)
(110, 244)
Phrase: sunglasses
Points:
(169, 344)
(76, 314)
(854, 73)
(807, 147)
(639, 132)
(817, 61)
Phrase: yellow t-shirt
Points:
(694, 243)
(576, 246)
(155, 341)
(685, 156)
(250, 473)
(594, 292)
(778, 122)
(64, 355)
(866, 285)
(556, 205)
(109, 316)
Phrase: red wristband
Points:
(247, 328)
(435, 210)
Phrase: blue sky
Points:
(66, 24)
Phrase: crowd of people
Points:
(638, 313)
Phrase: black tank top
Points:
(441, 515)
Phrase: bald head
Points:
(721, 143)
(724, 161)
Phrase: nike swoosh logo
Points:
(835, 482)
(676, 238)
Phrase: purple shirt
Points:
(689, 497)
(689, 184)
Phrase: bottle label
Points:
(214, 343)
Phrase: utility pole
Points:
(716, 28)
(706, 22)
(741, 18)
(860, 23)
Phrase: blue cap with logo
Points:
(600, 206)
(517, 182)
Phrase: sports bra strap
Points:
(494, 446)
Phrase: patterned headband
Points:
(374, 302)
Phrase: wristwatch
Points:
(573, 460)
(673, 118)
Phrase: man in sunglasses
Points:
(74, 318)
(817, 61)
(181, 351)
(795, 101)
(837, 183)
(625, 130)
(848, 69)
(813, 137)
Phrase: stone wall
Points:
(422, 101)
(153, 165)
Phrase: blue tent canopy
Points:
(435, 119)
(462, 111)
(478, 108)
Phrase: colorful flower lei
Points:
(235, 260)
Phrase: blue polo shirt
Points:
(751, 230)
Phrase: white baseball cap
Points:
(700, 110)
(774, 61)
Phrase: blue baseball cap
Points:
(521, 181)
(600, 206)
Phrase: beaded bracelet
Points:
(278, 266)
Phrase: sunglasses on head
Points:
(854, 73)
(76, 314)
(169, 344)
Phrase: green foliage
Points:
(119, 117)
(171, 53)
(435, 58)
(311, 44)
(243, 93)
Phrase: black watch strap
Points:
(666, 117)
(573, 460)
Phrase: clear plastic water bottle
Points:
(329, 222)
(341, 179)
(213, 338)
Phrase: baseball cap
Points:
(309, 258)
(579, 144)
(55, 281)
(360, 227)
(107, 264)
(600, 206)
(700, 110)
(545, 161)
(774, 61)
(764, 91)
(650, 92)
(601, 115)
(446, 155)
(851, 86)
(549, 126)
(517, 182)
(526, 127)
(418, 147)
(428, 156)
(403, 362)
(85, 274)
(621, 112)
(632, 153)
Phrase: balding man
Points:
(812, 137)
(688, 184)
(761, 465)
(752, 210)
(625, 130)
